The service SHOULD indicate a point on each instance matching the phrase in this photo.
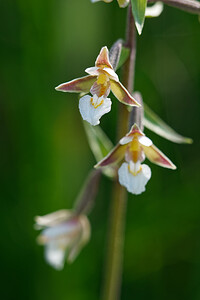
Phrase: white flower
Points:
(134, 176)
(101, 80)
(64, 236)
(93, 108)
(134, 147)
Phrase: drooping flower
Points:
(101, 79)
(122, 3)
(64, 234)
(134, 147)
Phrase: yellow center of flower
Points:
(134, 173)
(96, 104)
(102, 79)
(135, 148)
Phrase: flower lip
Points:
(93, 108)
(134, 183)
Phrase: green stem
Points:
(114, 259)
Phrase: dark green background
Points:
(44, 155)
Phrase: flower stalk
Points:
(114, 259)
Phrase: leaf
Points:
(154, 123)
(100, 145)
(138, 9)
(123, 57)
(154, 10)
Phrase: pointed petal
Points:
(157, 157)
(53, 218)
(122, 94)
(123, 3)
(113, 157)
(135, 129)
(103, 58)
(115, 53)
(79, 85)
(85, 237)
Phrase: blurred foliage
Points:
(44, 155)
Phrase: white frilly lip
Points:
(55, 255)
(134, 184)
(93, 108)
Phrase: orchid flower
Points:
(122, 3)
(101, 79)
(134, 147)
(64, 234)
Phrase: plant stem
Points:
(190, 6)
(114, 259)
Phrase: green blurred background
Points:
(44, 154)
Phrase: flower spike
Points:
(101, 79)
(134, 147)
